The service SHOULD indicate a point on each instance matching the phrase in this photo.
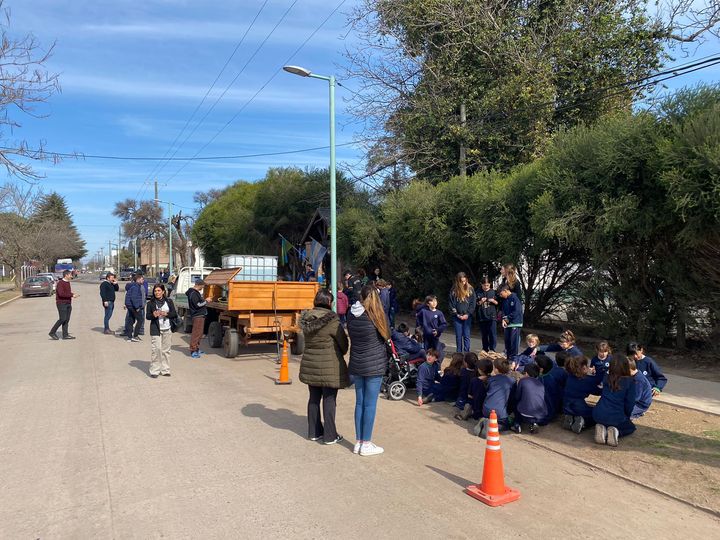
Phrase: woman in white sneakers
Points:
(369, 332)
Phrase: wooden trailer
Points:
(244, 312)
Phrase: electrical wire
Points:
(252, 98)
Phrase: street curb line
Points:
(688, 407)
(714, 513)
(11, 300)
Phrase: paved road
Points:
(91, 447)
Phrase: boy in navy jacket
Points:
(530, 406)
(648, 367)
(428, 379)
(643, 391)
(433, 323)
(512, 321)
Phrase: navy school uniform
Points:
(601, 366)
(449, 384)
(430, 320)
(476, 396)
(616, 406)
(554, 382)
(530, 403)
(522, 360)
(513, 316)
(428, 378)
(648, 367)
(405, 345)
(466, 376)
(644, 396)
(576, 391)
(500, 396)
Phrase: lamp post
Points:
(303, 72)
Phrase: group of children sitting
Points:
(532, 389)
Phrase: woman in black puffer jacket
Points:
(369, 332)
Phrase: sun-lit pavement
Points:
(91, 447)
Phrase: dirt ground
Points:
(674, 450)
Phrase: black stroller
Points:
(401, 373)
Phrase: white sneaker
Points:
(370, 449)
(613, 434)
(356, 448)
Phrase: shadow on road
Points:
(142, 365)
(277, 418)
(460, 481)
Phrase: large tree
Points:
(53, 208)
(463, 86)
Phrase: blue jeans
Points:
(462, 334)
(367, 390)
(488, 329)
(108, 313)
(512, 341)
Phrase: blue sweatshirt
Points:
(476, 395)
(463, 307)
(522, 360)
(512, 309)
(431, 320)
(450, 384)
(644, 396)
(554, 382)
(648, 367)
(466, 377)
(405, 345)
(601, 366)
(530, 398)
(134, 297)
(576, 390)
(499, 396)
(615, 407)
(427, 375)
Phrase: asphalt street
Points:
(92, 447)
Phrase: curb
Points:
(688, 407)
(11, 300)
(714, 513)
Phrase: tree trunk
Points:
(681, 335)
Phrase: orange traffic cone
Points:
(493, 491)
(284, 369)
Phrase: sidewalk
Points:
(697, 394)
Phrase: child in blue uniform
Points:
(405, 345)
(428, 379)
(553, 378)
(533, 342)
(499, 397)
(451, 378)
(432, 321)
(601, 360)
(643, 391)
(530, 406)
(512, 321)
(612, 413)
(477, 391)
(648, 367)
(581, 382)
(468, 373)
(566, 342)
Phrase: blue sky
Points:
(132, 72)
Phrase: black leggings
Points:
(328, 397)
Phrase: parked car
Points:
(126, 274)
(37, 285)
(50, 277)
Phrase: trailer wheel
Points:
(297, 346)
(215, 335)
(231, 343)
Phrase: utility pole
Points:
(118, 257)
(110, 254)
(170, 235)
(463, 157)
(135, 253)
(157, 246)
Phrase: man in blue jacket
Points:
(134, 303)
(512, 321)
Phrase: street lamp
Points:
(303, 72)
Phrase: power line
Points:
(244, 106)
(227, 88)
(194, 158)
(217, 78)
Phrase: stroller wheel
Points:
(396, 391)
